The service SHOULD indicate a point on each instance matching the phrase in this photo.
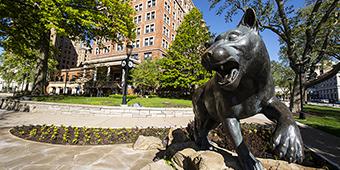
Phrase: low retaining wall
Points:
(108, 110)
(15, 105)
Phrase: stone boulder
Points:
(271, 164)
(182, 159)
(201, 160)
(147, 143)
(159, 165)
(209, 160)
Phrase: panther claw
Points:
(288, 144)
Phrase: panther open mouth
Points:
(228, 72)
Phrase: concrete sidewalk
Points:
(10, 119)
(324, 144)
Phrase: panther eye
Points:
(233, 36)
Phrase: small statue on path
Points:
(242, 87)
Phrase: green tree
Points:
(27, 24)
(302, 32)
(145, 76)
(20, 69)
(182, 71)
(283, 76)
(7, 70)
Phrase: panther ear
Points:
(249, 19)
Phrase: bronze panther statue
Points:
(242, 87)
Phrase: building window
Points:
(138, 19)
(135, 56)
(166, 19)
(165, 44)
(149, 28)
(148, 56)
(107, 49)
(138, 31)
(136, 44)
(139, 7)
(173, 26)
(151, 3)
(97, 51)
(120, 47)
(167, 6)
(166, 32)
(148, 41)
(150, 15)
(172, 37)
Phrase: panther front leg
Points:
(287, 139)
(246, 158)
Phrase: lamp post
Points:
(66, 78)
(126, 65)
(290, 91)
(300, 66)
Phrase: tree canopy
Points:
(145, 76)
(26, 25)
(181, 69)
(283, 76)
(20, 69)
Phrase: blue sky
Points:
(218, 25)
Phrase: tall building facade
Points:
(71, 56)
(328, 90)
(97, 70)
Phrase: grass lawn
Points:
(322, 117)
(116, 100)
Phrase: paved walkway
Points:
(20, 154)
(324, 144)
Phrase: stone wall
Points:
(15, 105)
(108, 110)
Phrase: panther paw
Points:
(288, 144)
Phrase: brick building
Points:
(98, 70)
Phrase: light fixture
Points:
(129, 48)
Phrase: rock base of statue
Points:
(182, 153)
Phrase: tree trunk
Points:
(39, 87)
(295, 99)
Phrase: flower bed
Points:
(68, 135)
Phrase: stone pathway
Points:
(16, 153)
